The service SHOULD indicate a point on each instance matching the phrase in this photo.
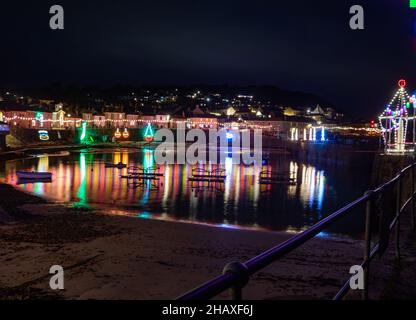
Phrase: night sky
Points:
(300, 45)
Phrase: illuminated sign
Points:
(43, 135)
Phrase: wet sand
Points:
(118, 257)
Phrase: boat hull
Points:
(21, 181)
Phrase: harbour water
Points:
(82, 179)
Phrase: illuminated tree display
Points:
(395, 119)
(149, 135)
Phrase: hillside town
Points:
(168, 109)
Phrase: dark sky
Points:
(301, 45)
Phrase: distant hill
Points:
(273, 94)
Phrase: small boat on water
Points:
(53, 154)
(119, 165)
(21, 181)
(26, 175)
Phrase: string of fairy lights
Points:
(104, 121)
(77, 122)
(126, 122)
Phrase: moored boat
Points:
(26, 175)
(119, 165)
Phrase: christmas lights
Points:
(117, 134)
(126, 134)
(394, 120)
(148, 135)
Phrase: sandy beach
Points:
(118, 257)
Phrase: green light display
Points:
(412, 4)
(39, 116)
(82, 189)
(149, 130)
(149, 135)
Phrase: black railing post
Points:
(240, 270)
(236, 293)
(367, 249)
(412, 172)
(398, 209)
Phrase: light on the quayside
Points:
(149, 135)
(394, 124)
(43, 135)
(126, 134)
(117, 134)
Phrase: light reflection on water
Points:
(83, 180)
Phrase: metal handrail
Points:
(236, 275)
